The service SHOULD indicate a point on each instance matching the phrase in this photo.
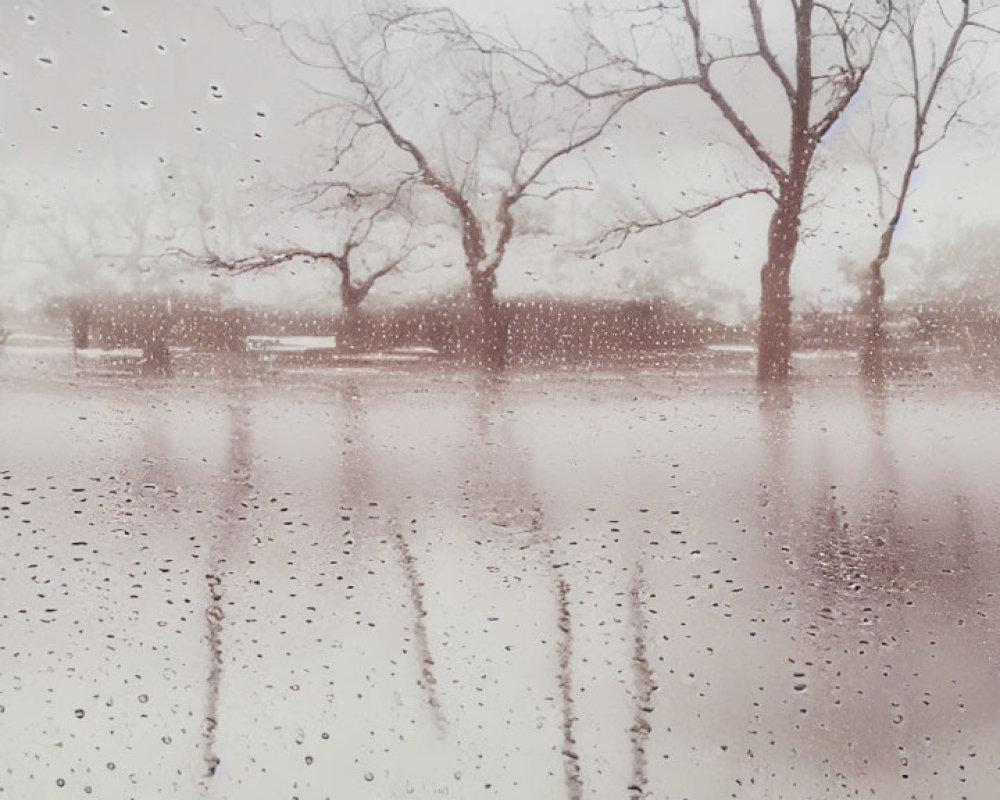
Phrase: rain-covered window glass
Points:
(499, 400)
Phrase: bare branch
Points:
(851, 78)
(765, 50)
(719, 100)
(574, 143)
(255, 263)
(558, 190)
(616, 237)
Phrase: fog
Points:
(396, 403)
(168, 124)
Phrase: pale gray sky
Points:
(101, 100)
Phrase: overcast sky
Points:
(101, 99)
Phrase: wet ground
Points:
(382, 583)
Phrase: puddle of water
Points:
(538, 587)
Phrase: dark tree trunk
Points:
(154, 340)
(351, 297)
(774, 337)
(156, 355)
(490, 337)
(872, 355)
(79, 321)
(774, 345)
(350, 329)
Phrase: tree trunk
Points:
(490, 338)
(351, 297)
(154, 338)
(774, 346)
(350, 329)
(872, 354)
(774, 337)
(79, 321)
(156, 354)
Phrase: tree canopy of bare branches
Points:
(815, 56)
(483, 141)
(360, 228)
(937, 40)
(827, 63)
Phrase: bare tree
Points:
(830, 58)
(139, 224)
(478, 122)
(372, 219)
(96, 251)
(814, 57)
(106, 250)
(936, 39)
(65, 243)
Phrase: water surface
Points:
(388, 583)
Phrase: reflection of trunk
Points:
(214, 615)
(428, 680)
(776, 498)
(80, 313)
(490, 338)
(356, 486)
(642, 692)
(774, 344)
(234, 490)
(571, 759)
(502, 486)
(872, 354)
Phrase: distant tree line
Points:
(538, 329)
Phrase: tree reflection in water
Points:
(505, 495)
(880, 554)
(235, 499)
(357, 487)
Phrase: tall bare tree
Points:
(480, 123)
(936, 39)
(811, 57)
(827, 63)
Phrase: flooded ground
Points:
(381, 583)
